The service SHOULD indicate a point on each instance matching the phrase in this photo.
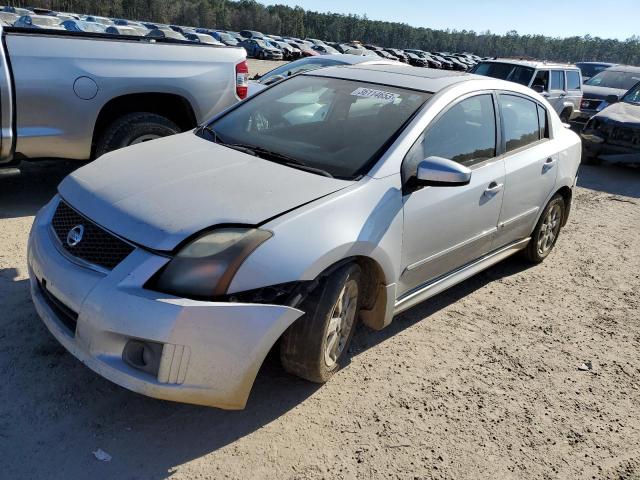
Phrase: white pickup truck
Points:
(78, 95)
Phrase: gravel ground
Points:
(482, 381)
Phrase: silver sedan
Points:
(347, 194)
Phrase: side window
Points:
(520, 119)
(543, 122)
(541, 80)
(557, 80)
(466, 133)
(573, 80)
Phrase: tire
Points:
(547, 231)
(261, 55)
(305, 348)
(134, 128)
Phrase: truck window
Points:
(557, 80)
(541, 80)
(573, 80)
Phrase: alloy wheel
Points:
(549, 230)
(341, 323)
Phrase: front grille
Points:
(67, 317)
(625, 136)
(97, 246)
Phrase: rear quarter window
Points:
(573, 80)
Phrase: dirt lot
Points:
(480, 382)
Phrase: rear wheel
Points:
(134, 128)
(315, 346)
(565, 116)
(547, 230)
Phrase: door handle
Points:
(493, 188)
(549, 162)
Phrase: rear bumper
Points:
(211, 351)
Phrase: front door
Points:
(448, 227)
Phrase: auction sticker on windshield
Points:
(379, 94)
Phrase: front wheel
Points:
(315, 346)
(546, 233)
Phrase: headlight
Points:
(205, 267)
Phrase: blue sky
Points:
(557, 18)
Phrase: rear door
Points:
(574, 90)
(447, 227)
(557, 90)
(530, 164)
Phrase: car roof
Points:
(596, 63)
(530, 63)
(624, 68)
(403, 76)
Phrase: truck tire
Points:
(315, 346)
(134, 128)
(547, 231)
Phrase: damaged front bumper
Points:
(612, 142)
(210, 352)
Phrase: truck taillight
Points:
(242, 80)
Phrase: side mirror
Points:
(442, 172)
(273, 79)
(538, 88)
(611, 99)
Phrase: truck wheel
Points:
(547, 230)
(316, 345)
(134, 128)
(565, 116)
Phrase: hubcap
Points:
(341, 323)
(144, 138)
(549, 230)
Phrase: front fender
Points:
(363, 220)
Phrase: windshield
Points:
(298, 66)
(227, 38)
(615, 79)
(91, 27)
(339, 127)
(505, 71)
(633, 95)
(261, 42)
(591, 69)
(45, 21)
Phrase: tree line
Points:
(297, 22)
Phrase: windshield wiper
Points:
(276, 157)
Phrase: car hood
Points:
(590, 91)
(159, 193)
(621, 112)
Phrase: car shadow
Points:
(25, 190)
(610, 178)
(145, 437)
(366, 338)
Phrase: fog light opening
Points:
(144, 356)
